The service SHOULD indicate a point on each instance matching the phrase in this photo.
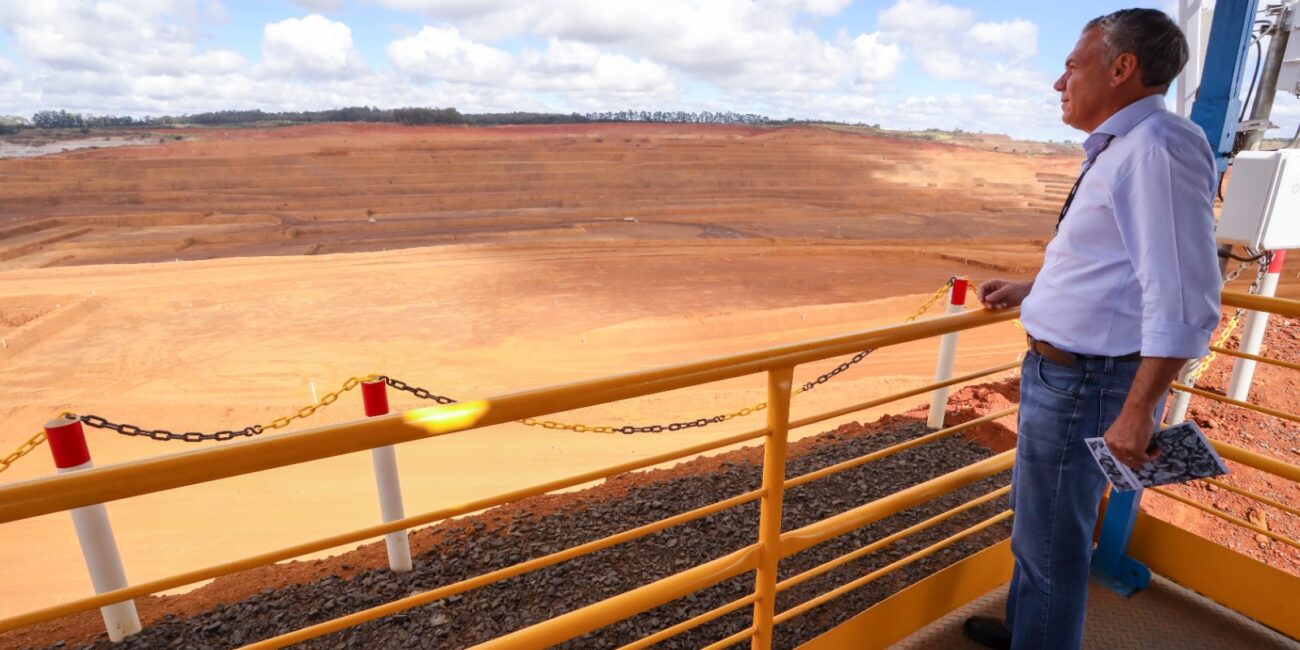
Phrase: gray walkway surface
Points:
(1164, 616)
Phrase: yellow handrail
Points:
(892, 566)
(44, 496)
(801, 539)
(889, 539)
(1227, 517)
(226, 568)
(109, 483)
(1255, 357)
(1236, 402)
(1257, 460)
(1279, 306)
(690, 624)
(1251, 495)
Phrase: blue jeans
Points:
(1056, 488)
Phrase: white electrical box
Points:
(1262, 207)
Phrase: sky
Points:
(977, 65)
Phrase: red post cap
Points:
(375, 396)
(1276, 265)
(959, 288)
(67, 442)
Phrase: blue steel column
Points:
(1216, 111)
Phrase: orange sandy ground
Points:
(743, 238)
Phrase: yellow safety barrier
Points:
(53, 494)
(1227, 517)
(1255, 357)
(1251, 495)
(1236, 402)
(353, 382)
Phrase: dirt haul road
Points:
(558, 253)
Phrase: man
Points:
(1128, 291)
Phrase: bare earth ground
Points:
(529, 256)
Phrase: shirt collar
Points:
(1122, 122)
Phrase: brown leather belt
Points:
(1065, 358)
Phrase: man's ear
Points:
(1124, 68)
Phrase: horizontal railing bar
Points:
(747, 633)
(886, 541)
(893, 566)
(690, 624)
(912, 392)
(815, 533)
(1236, 402)
(1256, 357)
(1257, 460)
(484, 579)
(629, 603)
(100, 485)
(1280, 306)
(1251, 495)
(894, 449)
(206, 573)
(1227, 517)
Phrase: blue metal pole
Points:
(1217, 111)
(1218, 108)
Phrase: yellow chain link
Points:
(23, 449)
(760, 406)
(329, 398)
(1208, 359)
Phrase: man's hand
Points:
(1131, 432)
(1128, 438)
(1001, 294)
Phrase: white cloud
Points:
(442, 53)
(320, 5)
(877, 60)
(949, 45)
(735, 44)
(314, 46)
(1016, 38)
(924, 17)
(8, 69)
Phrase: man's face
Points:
(1086, 85)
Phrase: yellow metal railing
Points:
(54, 494)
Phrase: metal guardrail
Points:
(44, 496)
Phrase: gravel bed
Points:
(487, 544)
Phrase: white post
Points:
(1252, 334)
(947, 354)
(384, 460)
(1194, 17)
(94, 532)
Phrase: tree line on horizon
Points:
(62, 119)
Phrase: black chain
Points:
(416, 390)
(857, 358)
(422, 393)
(165, 435)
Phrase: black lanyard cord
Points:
(1075, 189)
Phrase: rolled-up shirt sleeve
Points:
(1164, 212)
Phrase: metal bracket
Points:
(1111, 564)
(1261, 124)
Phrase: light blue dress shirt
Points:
(1134, 267)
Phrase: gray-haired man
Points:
(1129, 290)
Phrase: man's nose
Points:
(1059, 86)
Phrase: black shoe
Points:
(987, 631)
